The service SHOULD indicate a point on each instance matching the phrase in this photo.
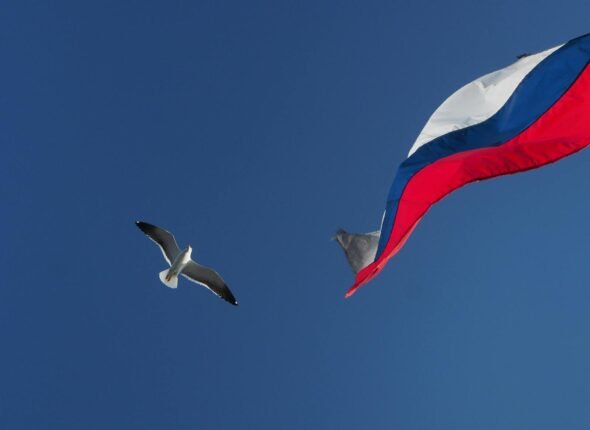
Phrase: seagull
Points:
(181, 264)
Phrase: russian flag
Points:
(524, 116)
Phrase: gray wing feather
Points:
(162, 238)
(360, 249)
(210, 279)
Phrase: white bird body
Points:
(180, 262)
(169, 277)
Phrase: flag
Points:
(531, 113)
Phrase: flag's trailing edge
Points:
(527, 115)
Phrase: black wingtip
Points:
(229, 297)
(231, 300)
(146, 227)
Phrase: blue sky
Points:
(252, 130)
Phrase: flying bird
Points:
(181, 264)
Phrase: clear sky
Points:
(253, 130)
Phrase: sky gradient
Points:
(252, 131)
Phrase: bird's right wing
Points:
(162, 238)
(210, 279)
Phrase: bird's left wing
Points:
(162, 238)
(210, 279)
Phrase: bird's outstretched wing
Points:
(162, 238)
(210, 279)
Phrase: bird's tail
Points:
(169, 281)
(360, 249)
